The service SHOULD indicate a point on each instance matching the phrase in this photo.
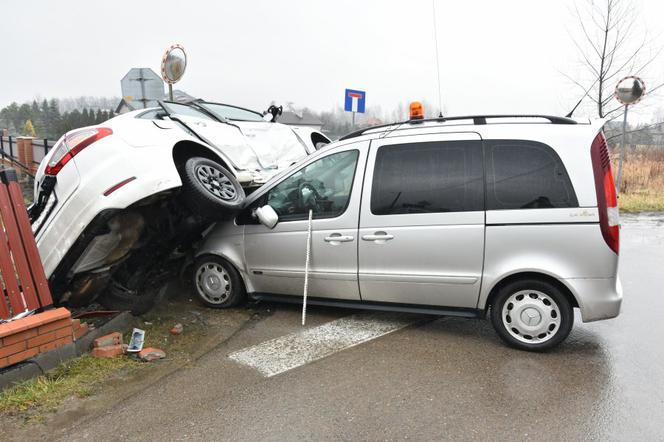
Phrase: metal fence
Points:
(27, 162)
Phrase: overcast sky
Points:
(496, 56)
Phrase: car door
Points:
(422, 220)
(330, 184)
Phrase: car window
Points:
(526, 175)
(427, 178)
(231, 112)
(323, 186)
(186, 111)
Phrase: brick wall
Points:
(27, 337)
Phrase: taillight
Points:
(71, 144)
(607, 201)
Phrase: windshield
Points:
(184, 110)
(224, 111)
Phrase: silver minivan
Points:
(509, 217)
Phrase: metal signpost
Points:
(628, 91)
(142, 87)
(354, 101)
(173, 64)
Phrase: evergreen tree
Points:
(55, 119)
(37, 119)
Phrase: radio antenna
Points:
(435, 38)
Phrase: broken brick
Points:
(177, 329)
(109, 351)
(150, 354)
(80, 331)
(111, 339)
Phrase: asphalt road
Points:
(435, 379)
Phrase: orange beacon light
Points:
(416, 111)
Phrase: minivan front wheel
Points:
(532, 315)
(217, 283)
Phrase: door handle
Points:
(338, 238)
(378, 236)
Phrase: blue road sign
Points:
(354, 101)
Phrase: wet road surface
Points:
(444, 378)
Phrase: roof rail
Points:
(477, 120)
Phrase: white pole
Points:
(622, 151)
(306, 270)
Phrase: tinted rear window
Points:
(428, 178)
(526, 175)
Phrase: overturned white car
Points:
(119, 205)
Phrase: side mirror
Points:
(267, 216)
(268, 118)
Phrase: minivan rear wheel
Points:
(532, 315)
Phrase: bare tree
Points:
(610, 45)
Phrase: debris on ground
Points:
(137, 340)
(108, 346)
(110, 351)
(114, 338)
(177, 329)
(80, 328)
(150, 354)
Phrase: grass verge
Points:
(641, 202)
(78, 377)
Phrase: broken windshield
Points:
(227, 112)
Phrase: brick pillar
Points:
(28, 151)
(20, 143)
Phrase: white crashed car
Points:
(117, 206)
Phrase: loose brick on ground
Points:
(150, 354)
(114, 338)
(109, 351)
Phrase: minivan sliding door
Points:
(422, 221)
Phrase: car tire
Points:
(137, 302)
(532, 315)
(217, 283)
(210, 190)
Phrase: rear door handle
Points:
(378, 236)
(335, 237)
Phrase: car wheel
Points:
(210, 190)
(532, 315)
(138, 302)
(217, 283)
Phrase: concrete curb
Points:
(44, 362)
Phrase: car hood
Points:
(276, 146)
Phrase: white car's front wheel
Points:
(210, 190)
